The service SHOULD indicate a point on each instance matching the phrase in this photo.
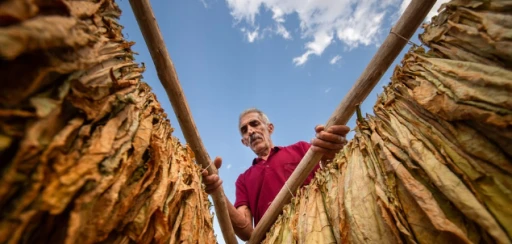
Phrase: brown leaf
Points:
(43, 33)
(12, 11)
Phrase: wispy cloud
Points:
(278, 17)
(283, 32)
(322, 22)
(317, 47)
(327, 90)
(204, 3)
(335, 59)
(251, 35)
(229, 166)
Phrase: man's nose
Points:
(250, 130)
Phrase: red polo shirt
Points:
(260, 184)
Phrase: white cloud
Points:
(251, 35)
(229, 166)
(278, 15)
(317, 46)
(353, 22)
(432, 12)
(335, 59)
(281, 30)
(322, 22)
(302, 59)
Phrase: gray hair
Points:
(262, 115)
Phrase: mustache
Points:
(254, 137)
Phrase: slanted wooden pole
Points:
(387, 53)
(169, 79)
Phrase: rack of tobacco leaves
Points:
(434, 162)
(86, 151)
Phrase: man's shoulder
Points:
(300, 145)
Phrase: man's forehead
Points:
(248, 118)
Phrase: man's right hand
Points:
(212, 182)
(241, 217)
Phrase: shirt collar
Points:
(272, 152)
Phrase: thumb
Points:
(319, 128)
(218, 162)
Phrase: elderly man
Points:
(257, 187)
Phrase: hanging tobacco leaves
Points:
(434, 163)
(86, 152)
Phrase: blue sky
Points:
(294, 59)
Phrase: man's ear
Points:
(244, 141)
(270, 128)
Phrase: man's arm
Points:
(241, 217)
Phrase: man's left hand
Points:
(330, 141)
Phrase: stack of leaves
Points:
(434, 164)
(474, 40)
(86, 152)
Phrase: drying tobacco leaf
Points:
(459, 90)
(478, 35)
(87, 152)
(12, 11)
(433, 165)
(474, 31)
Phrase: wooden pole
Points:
(169, 79)
(387, 53)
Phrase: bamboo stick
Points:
(387, 53)
(169, 79)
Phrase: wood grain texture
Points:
(382, 60)
(169, 79)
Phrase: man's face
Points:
(255, 133)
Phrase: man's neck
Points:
(265, 153)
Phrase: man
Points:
(257, 187)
